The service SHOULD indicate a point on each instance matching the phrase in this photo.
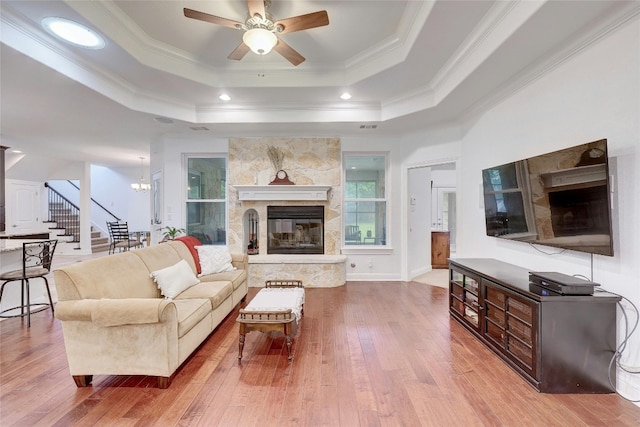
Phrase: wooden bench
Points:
(278, 307)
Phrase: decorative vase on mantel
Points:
(276, 155)
(281, 178)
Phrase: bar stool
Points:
(36, 263)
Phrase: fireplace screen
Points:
(295, 229)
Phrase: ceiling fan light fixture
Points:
(259, 40)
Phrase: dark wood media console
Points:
(559, 344)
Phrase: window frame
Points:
(366, 247)
(185, 190)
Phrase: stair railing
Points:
(64, 213)
(96, 203)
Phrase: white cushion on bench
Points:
(272, 299)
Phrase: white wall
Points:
(594, 95)
(418, 231)
(111, 187)
(167, 157)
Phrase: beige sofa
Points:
(116, 322)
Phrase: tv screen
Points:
(559, 199)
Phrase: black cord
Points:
(617, 355)
(546, 253)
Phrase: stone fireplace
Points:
(314, 166)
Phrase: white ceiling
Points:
(410, 65)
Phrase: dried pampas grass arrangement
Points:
(276, 156)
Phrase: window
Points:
(206, 199)
(365, 199)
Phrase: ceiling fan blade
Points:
(201, 16)
(239, 52)
(256, 6)
(289, 53)
(303, 22)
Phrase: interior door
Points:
(23, 207)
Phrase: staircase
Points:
(99, 243)
(64, 216)
(66, 225)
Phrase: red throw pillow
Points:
(191, 243)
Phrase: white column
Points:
(85, 210)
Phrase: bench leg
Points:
(288, 339)
(240, 346)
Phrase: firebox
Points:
(295, 229)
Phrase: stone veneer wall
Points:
(307, 161)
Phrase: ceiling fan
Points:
(260, 29)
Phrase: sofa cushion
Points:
(191, 243)
(174, 279)
(159, 256)
(214, 259)
(237, 277)
(216, 292)
(122, 275)
(190, 313)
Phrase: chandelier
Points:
(141, 185)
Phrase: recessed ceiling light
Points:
(345, 96)
(73, 32)
(16, 151)
(225, 97)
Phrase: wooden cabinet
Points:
(440, 252)
(559, 344)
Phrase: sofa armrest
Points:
(116, 312)
(79, 309)
(240, 261)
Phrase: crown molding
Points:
(115, 24)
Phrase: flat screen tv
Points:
(559, 199)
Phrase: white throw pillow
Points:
(173, 280)
(214, 259)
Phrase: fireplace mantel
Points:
(282, 192)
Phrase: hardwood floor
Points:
(366, 354)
